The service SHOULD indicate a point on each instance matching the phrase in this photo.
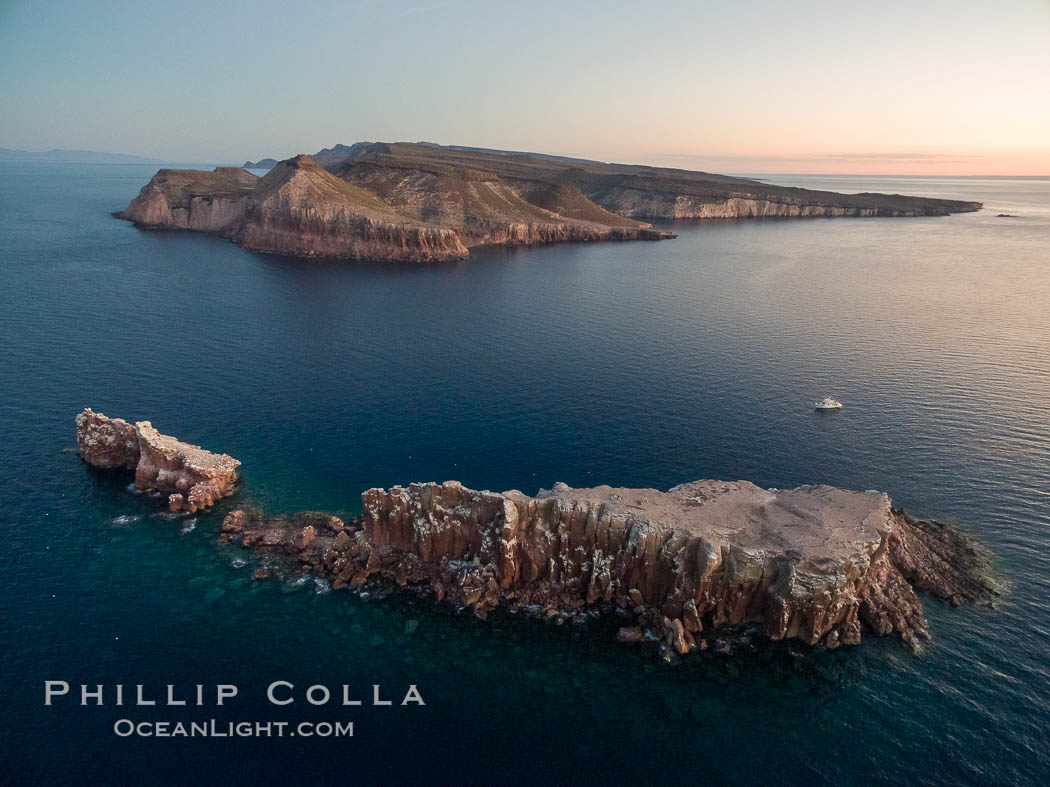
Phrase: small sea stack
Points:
(193, 477)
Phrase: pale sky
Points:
(916, 87)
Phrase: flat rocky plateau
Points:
(818, 564)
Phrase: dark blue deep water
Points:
(644, 364)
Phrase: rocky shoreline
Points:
(683, 567)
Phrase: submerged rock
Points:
(629, 634)
(810, 564)
(192, 477)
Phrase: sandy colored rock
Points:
(691, 617)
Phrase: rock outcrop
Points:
(191, 199)
(193, 477)
(813, 563)
(424, 202)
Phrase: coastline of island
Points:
(418, 202)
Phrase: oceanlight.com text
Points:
(211, 728)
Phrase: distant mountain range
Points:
(72, 156)
(323, 158)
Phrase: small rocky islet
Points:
(685, 567)
(191, 477)
(419, 202)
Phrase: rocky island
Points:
(420, 202)
(815, 564)
(193, 477)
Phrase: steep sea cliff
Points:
(810, 564)
(296, 208)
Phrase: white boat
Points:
(828, 404)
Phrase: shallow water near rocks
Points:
(638, 364)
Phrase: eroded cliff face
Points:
(193, 477)
(297, 208)
(535, 233)
(811, 563)
(485, 210)
(192, 199)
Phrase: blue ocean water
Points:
(641, 364)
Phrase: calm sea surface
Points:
(639, 364)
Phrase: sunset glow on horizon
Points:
(1012, 163)
(939, 88)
